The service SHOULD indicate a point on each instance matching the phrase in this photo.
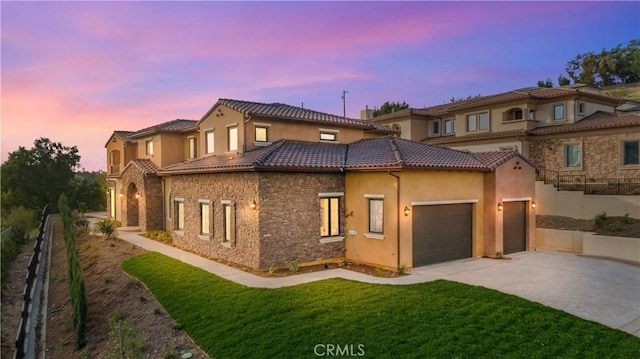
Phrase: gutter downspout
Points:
(397, 218)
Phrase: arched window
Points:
(114, 162)
(514, 114)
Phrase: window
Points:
(581, 107)
(329, 216)
(448, 126)
(233, 138)
(532, 115)
(327, 136)
(209, 139)
(478, 121)
(631, 153)
(517, 114)
(435, 128)
(148, 147)
(192, 147)
(558, 112)
(228, 222)
(112, 202)
(261, 134)
(572, 155)
(179, 213)
(376, 215)
(205, 217)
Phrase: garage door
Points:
(441, 233)
(514, 227)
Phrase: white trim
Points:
(261, 124)
(330, 194)
(178, 199)
(328, 130)
(434, 203)
(205, 237)
(231, 124)
(374, 236)
(259, 144)
(205, 201)
(374, 196)
(331, 239)
(192, 136)
(208, 129)
(226, 201)
(520, 199)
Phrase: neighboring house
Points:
(573, 130)
(273, 184)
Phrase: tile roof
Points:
(381, 153)
(597, 120)
(178, 125)
(494, 159)
(294, 113)
(474, 137)
(124, 135)
(144, 166)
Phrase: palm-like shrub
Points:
(107, 228)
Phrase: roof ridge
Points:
(271, 150)
(396, 150)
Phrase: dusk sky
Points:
(76, 71)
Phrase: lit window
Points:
(210, 141)
(558, 112)
(112, 202)
(329, 216)
(261, 134)
(327, 136)
(192, 147)
(631, 155)
(478, 121)
(179, 212)
(233, 138)
(205, 217)
(448, 126)
(228, 221)
(573, 155)
(376, 215)
(148, 145)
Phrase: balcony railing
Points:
(605, 186)
(114, 169)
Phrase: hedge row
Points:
(74, 272)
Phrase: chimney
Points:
(366, 114)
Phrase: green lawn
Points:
(435, 320)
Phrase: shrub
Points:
(107, 228)
(164, 236)
(601, 219)
(22, 221)
(402, 269)
(293, 267)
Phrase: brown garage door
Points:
(514, 227)
(441, 233)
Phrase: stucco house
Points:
(272, 184)
(569, 130)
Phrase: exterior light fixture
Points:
(500, 206)
(137, 195)
(533, 204)
(121, 194)
(406, 211)
(253, 205)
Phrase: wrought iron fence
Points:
(603, 186)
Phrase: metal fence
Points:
(603, 186)
(30, 294)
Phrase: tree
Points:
(36, 177)
(88, 191)
(390, 107)
(547, 83)
(619, 65)
(454, 99)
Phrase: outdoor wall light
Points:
(121, 194)
(137, 195)
(533, 204)
(253, 205)
(406, 211)
(500, 206)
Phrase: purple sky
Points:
(76, 71)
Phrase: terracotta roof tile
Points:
(288, 112)
(178, 125)
(304, 155)
(595, 121)
(144, 166)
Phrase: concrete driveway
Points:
(601, 290)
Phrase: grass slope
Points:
(436, 319)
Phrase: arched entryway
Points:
(132, 205)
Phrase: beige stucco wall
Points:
(494, 145)
(218, 121)
(170, 151)
(559, 240)
(115, 144)
(624, 248)
(416, 186)
(575, 204)
(512, 181)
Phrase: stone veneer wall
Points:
(290, 217)
(150, 202)
(600, 155)
(241, 188)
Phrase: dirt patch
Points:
(610, 226)
(109, 290)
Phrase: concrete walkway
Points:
(600, 290)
